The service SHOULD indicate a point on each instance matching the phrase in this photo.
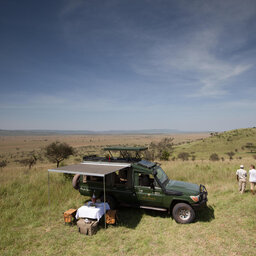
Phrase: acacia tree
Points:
(29, 161)
(57, 152)
(230, 154)
(161, 150)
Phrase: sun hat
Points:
(241, 166)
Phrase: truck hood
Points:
(184, 187)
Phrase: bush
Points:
(29, 161)
(230, 154)
(160, 150)
(165, 155)
(214, 157)
(3, 164)
(184, 156)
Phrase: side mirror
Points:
(155, 172)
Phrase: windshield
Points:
(161, 175)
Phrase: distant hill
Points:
(86, 132)
(221, 144)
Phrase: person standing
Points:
(252, 178)
(241, 175)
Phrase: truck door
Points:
(122, 186)
(147, 193)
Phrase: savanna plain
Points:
(31, 224)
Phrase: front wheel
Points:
(183, 213)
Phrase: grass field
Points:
(29, 226)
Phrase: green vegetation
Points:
(240, 142)
(56, 152)
(28, 226)
(214, 157)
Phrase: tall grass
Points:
(29, 226)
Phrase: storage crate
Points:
(89, 227)
(69, 216)
(111, 217)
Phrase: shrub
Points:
(184, 156)
(230, 154)
(214, 157)
(165, 155)
(3, 163)
(149, 155)
(31, 161)
(251, 147)
(160, 150)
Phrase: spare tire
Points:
(75, 181)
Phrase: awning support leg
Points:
(48, 197)
(104, 184)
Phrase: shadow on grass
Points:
(206, 214)
(129, 217)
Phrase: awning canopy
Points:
(99, 169)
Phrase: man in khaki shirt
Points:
(241, 175)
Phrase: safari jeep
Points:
(143, 184)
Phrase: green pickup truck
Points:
(141, 183)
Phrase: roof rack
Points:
(135, 149)
(125, 153)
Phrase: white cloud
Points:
(195, 56)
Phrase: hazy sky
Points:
(127, 64)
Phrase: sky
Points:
(128, 64)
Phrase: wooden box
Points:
(111, 217)
(69, 216)
(87, 228)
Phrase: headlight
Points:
(195, 198)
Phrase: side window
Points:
(123, 177)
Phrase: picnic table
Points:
(92, 211)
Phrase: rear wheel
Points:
(110, 200)
(183, 213)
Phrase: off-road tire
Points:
(75, 181)
(183, 213)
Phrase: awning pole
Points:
(104, 200)
(48, 196)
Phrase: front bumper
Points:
(203, 198)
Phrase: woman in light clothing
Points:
(252, 178)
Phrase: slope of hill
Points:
(221, 143)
